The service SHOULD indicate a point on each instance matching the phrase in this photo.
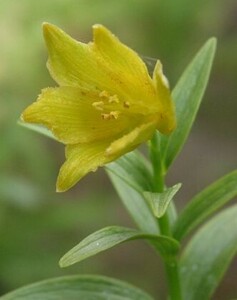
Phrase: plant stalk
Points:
(172, 270)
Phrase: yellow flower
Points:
(106, 103)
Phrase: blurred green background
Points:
(37, 225)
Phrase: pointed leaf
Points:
(208, 255)
(130, 181)
(136, 205)
(78, 288)
(134, 169)
(205, 203)
(187, 96)
(159, 202)
(111, 236)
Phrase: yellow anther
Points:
(106, 116)
(110, 116)
(104, 94)
(115, 114)
(113, 99)
(98, 105)
(126, 104)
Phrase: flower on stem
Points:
(106, 103)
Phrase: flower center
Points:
(110, 106)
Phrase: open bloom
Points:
(106, 103)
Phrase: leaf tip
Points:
(212, 44)
(62, 263)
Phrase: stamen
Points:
(126, 104)
(114, 99)
(98, 105)
(112, 115)
(106, 116)
(104, 94)
(115, 114)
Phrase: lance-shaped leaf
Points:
(78, 288)
(205, 203)
(129, 177)
(133, 169)
(114, 235)
(187, 96)
(159, 202)
(208, 255)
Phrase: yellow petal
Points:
(72, 63)
(131, 70)
(105, 65)
(80, 160)
(124, 60)
(84, 158)
(168, 121)
(71, 115)
(131, 140)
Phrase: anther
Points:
(115, 114)
(104, 94)
(98, 105)
(126, 104)
(114, 99)
(112, 115)
(106, 116)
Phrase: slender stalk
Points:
(172, 271)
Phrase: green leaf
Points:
(78, 288)
(37, 128)
(205, 203)
(131, 175)
(159, 202)
(114, 235)
(187, 96)
(136, 205)
(208, 255)
(133, 169)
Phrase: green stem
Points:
(172, 270)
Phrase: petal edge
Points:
(80, 160)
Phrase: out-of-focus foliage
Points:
(37, 225)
